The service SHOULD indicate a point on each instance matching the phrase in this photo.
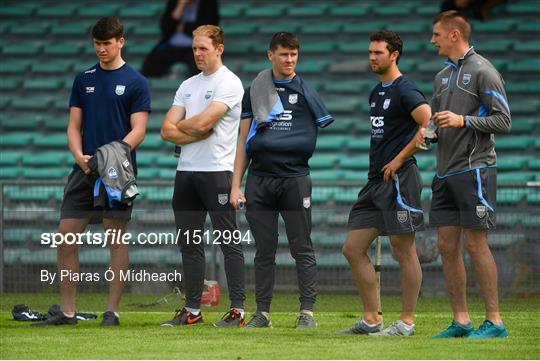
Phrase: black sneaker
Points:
(305, 320)
(110, 319)
(184, 317)
(56, 320)
(233, 318)
(259, 320)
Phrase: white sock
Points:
(241, 310)
(307, 312)
(194, 311)
(117, 314)
(370, 324)
(70, 315)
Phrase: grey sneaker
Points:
(233, 318)
(398, 328)
(305, 320)
(361, 328)
(259, 320)
(110, 319)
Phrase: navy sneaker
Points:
(110, 319)
(57, 320)
(259, 320)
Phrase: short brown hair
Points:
(392, 39)
(455, 20)
(107, 28)
(285, 39)
(211, 31)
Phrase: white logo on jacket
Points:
(386, 104)
(481, 211)
(306, 202)
(466, 79)
(223, 198)
(402, 216)
(89, 89)
(120, 89)
(112, 173)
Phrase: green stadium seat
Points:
(50, 141)
(341, 126)
(409, 27)
(147, 30)
(10, 172)
(515, 177)
(524, 7)
(509, 196)
(354, 47)
(240, 47)
(529, 65)
(9, 158)
(162, 104)
(139, 48)
(149, 10)
(534, 163)
(14, 255)
(24, 194)
(56, 66)
(331, 142)
(432, 66)
(499, 45)
(527, 87)
(146, 159)
(153, 141)
(363, 27)
(158, 194)
(16, 122)
(313, 9)
(228, 10)
(274, 27)
(40, 103)
(146, 173)
(322, 194)
(318, 47)
(537, 144)
(169, 85)
(242, 28)
(35, 29)
(46, 173)
(531, 221)
(355, 176)
(413, 45)
(97, 11)
(504, 240)
(333, 260)
(348, 10)
(429, 9)
(56, 159)
(61, 10)
(95, 257)
(493, 26)
(359, 144)
(511, 162)
(64, 48)
(355, 162)
(167, 160)
(167, 174)
(79, 28)
(274, 10)
(346, 195)
(22, 235)
(321, 28)
(533, 198)
(528, 27)
(19, 10)
(41, 257)
(347, 86)
(508, 220)
(525, 105)
(342, 104)
(312, 66)
(513, 142)
(18, 67)
(527, 46)
(13, 140)
(323, 161)
(22, 49)
(51, 84)
(403, 9)
(326, 175)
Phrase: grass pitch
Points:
(141, 337)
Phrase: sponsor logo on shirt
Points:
(283, 123)
(377, 121)
(466, 79)
(386, 104)
(89, 89)
(381, 93)
(377, 131)
(293, 98)
(120, 89)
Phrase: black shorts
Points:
(393, 207)
(78, 201)
(466, 199)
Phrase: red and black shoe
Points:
(184, 317)
(233, 318)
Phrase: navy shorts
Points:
(465, 199)
(393, 207)
(78, 201)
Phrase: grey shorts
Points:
(393, 207)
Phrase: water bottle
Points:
(429, 135)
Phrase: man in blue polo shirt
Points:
(109, 102)
(278, 132)
(389, 204)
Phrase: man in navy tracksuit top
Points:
(277, 146)
(470, 106)
(109, 102)
(389, 204)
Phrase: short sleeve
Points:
(246, 105)
(229, 92)
(141, 97)
(179, 97)
(411, 98)
(75, 98)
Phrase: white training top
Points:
(217, 152)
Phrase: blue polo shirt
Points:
(392, 126)
(107, 99)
